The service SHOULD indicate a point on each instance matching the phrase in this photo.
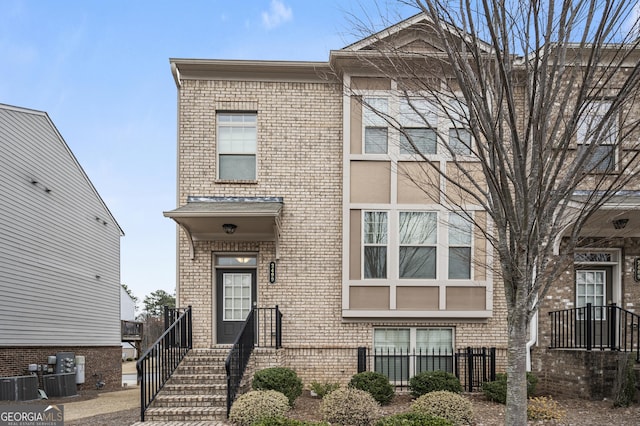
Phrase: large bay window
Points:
(237, 145)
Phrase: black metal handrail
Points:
(159, 362)
(596, 327)
(262, 328)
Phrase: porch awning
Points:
(229, 219)
(618, 217)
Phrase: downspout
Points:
(533, 328)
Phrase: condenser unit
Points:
(19, 388)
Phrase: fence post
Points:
(588, 327)
(493, 365)
(362, 359)
(613, 326)
(278, 328)
(470, 369)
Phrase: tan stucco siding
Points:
(370, 182)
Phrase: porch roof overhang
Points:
(618, 217)
(254, 219)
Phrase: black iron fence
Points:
(159, 362)
(262, 328)
(472, 366)
(596, 327)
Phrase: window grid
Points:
(460, 239)
(236, 296)
(591, 288)
(376, 135)
(236, 145)
(417, 245)
(591, 128)
(375, 239)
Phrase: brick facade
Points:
(300, 158)
(101, 363)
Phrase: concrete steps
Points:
(196, 394)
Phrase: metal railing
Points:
(131, 330)
(159, 362)
(596, 327)
(472, 366)
(262, 328)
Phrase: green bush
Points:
(377, 384)
(281, 379)
(254, 406)
(431, 381)
(349, 407)
(284, 421)
(321, 389)
(497, 390)
(413, 419)
(448, 405)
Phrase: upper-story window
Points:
(376, 131)
(596, 126)
(459, 246)
(237, 145)
(459, 140)
(375, 244)
(418, 239)
(419, 123)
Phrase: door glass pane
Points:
(434, 349)
(591, 288)
(236, 296)
(391, 353)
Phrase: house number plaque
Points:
(636, 269)
(272, 272)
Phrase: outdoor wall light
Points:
(620, 223)
(229, 228)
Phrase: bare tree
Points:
(540, 101)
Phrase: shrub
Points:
(448, 405)
(413, 419)
(281, 379)
(431, 381)
(256, 405)
(284, 421)
(377, 384)
(497, 390)
(349, 406)
(543, 408)
(322, 389)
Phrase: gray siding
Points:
(59, 250)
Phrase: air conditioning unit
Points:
(60, 384)
(19, 388)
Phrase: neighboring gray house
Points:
(59, 255)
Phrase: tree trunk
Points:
(516, 414)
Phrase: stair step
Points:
(186, 414)
(179, 423)
(200, 369)
(195, 389)
(186, 379)
(166, 401)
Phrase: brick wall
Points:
(300, 159)
(101, 363)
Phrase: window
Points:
(237, 146)
(401, 353)
(375, 244)
(420, 122)
(595, 127)
(459, 247)
(460, 141)
(376, 133)
(236, 296)
(591, 288)
(418, 238)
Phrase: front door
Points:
(235, 296)
(594, 286)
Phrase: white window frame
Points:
(411, 351)
(373, 117)
(464, 244)
(221, 152)
(593, 115)
(366, 243)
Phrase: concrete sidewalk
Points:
(107, 402)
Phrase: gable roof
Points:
(54, 131)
